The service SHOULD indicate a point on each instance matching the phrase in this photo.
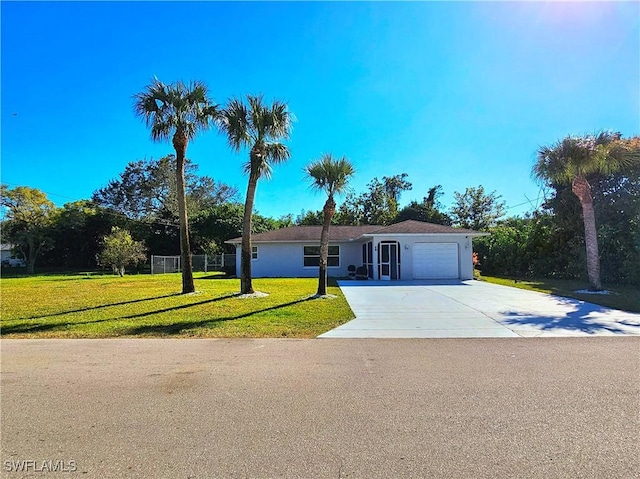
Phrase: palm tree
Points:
(177, 112)
(574, 159)
(332, 176)
(259, 127)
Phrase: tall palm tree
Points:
(177, 111)
(331, 176)
(574, 159)
(259, 127)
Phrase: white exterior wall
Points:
(465, 252)
(286, 260)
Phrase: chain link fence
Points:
(201, 262)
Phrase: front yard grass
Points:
(626, 298)
(100, 306)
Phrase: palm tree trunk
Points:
(31, 259)
(582, 190)
(328, 210)
(245, 256)
(180, 145)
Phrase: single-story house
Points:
(7, 258)
(5, 252)
(407, 250)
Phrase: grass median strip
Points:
(95, 306)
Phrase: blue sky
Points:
(452, 93)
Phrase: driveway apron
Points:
(471, 309)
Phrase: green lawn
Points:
(626, 298)
(100, 306)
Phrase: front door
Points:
(388, 261)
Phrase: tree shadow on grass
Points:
(216, 276)
(153, 329)
(35, 328)
(177, 328)
(582, 317)
(102, 306)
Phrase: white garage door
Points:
(435, 261)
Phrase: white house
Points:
(407, 250)
(5, 252)
(7, 258)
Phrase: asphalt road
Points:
(424, 408)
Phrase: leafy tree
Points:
(550, 242)
(284, 221)
(574, 160)
(474, 209)
(529, 246)
(120, 250)
(350, 212)
(616, 199)
(260, 128)
(147, 189)
(224, 222)
(330, 175)
(504, 251)
(77, 231)
(378, 205)
(177, 112)
(428, 210)
(309, 218)
(393, 187)
(28, 221)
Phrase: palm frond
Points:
(575, 156)
(258, 126)
(246, 167)
(330, 174)
(257, 118)
(161, 129)
(280, 121)
(174, 107)
(618, 154)
(277, 153)
(264, 156)
(234, 122)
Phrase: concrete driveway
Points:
(472, 309)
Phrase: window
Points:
(312, 256)
(254, 253)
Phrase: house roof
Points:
(309, 233)
(6, 247)
(351, 233)
(421, 227)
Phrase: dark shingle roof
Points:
(310, 233)
(349, 233)
(421, 227)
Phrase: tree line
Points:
(142, 201)
(166, 204)
(546, 243)
(552, 241)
